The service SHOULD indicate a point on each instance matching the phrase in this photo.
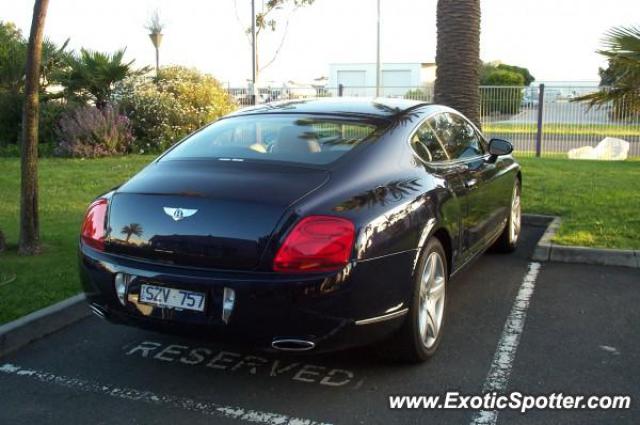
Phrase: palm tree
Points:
(458, 56)
(54, 59)
(29, 243)
(93, 75)
(620, 81)
(131, 229)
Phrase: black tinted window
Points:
(278, 137)
(425, 143)
(459, 138)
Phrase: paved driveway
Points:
(580, 336)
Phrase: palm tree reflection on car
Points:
(130, 230)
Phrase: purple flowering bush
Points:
(89, 132)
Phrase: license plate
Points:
(172, 298)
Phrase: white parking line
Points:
(500, 370)
(204, 407)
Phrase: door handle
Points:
(470, 183)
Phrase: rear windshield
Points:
(307, 139)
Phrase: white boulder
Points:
(609, 149)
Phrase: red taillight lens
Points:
(93, 227)
(316, 243)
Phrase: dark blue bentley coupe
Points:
(305, 225)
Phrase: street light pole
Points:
(378, 71)
(157, 62)
(254, 71)
(156, 39)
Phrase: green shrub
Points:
(50, 115)
(11, 124)
(507, 97)
(502, 77)
(165, 110)
(13, 150)
(89, 132)
(526, 75)
(10, 116)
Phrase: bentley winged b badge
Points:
(178, 214)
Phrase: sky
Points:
(555, 39)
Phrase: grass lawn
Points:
(598, 201)
(66, 188)
(603, 130)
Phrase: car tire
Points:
(421, 332)
(508, 240)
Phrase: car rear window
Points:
(307, 139)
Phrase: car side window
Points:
(458, 137)
(471, 138)
(426, 145)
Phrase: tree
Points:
(29, 243)
(266, 20)
(488, 69)
(92, 75)
(55, 60)
(508, 98)
(13, 57)
(526, 75)
(458, 56)
(13, 50)
(620, 81)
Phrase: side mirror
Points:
(499, 147)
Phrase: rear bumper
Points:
(361, 304)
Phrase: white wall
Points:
(359, 79)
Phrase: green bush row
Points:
(159, 112)
(105, 106)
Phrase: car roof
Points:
(360, 106)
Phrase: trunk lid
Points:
(213, 214)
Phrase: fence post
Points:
(340, 89)
(540, 121)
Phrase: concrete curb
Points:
(546, 250)
(38, 324)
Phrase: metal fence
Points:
(542, 120)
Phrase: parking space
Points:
(580, 336)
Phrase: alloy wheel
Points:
(515, 221)
(432, 299)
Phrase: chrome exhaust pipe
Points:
(292, 344)
(98, 311)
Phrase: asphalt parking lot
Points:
(581, 336)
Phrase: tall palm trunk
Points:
(458, 56)
(29, 226)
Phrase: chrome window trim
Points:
(449, 162)
(415, 130)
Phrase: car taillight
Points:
(93, 227)
(316, 243)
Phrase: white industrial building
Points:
(359, 79)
